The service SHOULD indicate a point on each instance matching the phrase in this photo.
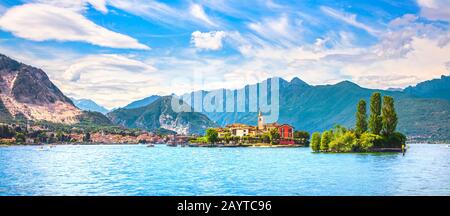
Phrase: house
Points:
(286, 134)
(286, 131)
(222, 132)
(241, 130)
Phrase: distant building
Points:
(241, 130)
(263, 127)
(286, 131)
(222, 132)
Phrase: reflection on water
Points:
(138, 170)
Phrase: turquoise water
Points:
(138, 170)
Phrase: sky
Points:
(118, 51)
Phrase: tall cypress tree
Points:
(325, 141)
(375, 121)
(361, 117)
(315, 141)
(389, 116)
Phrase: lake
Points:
(162, 170)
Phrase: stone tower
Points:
(260, 121)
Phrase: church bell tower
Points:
(260, 121)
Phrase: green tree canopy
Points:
(315, 141)
(361, 117)
(375, 120)
(301, 135)
(20, 137)
(325, 140)
(212, 135)
(389, 116)
(368, 141)
(274, 135)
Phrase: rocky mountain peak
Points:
(28, 92)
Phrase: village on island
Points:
(262, 135)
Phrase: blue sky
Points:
(117, 51)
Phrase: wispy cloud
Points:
(198, 12)
(153, 10)
(42, 22)
(76, 5)
(435, 9)
(192, 15)
(348, 18)
(110, 74)
(279, 29)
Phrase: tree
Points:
(301, 135)
(227, 137)
(375, 120)
(395, 140)
(368, 141)
(274, 135)
(265, 138)
(361, 117)
(344, 142)
(87, 137)
(20, 137)
(389, 116)
(6, 132)
(42, 136)
(212, 135)
(60, 136)
(325, 141)
(315, 141)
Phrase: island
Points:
(378, 134)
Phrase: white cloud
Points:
(348, 18)
(99, 77)
(77, 5)
(278, 29)
(100, 5)
(198, 12)
(164, 13)
(397, 41)
(415, 66)
(435, 9)
(208, 40)
(403, 20)
(148, 9)
(41, 22)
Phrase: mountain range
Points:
(423, 110)
(143, 102)
(26, 93)
(436, 88)
(89, 105)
